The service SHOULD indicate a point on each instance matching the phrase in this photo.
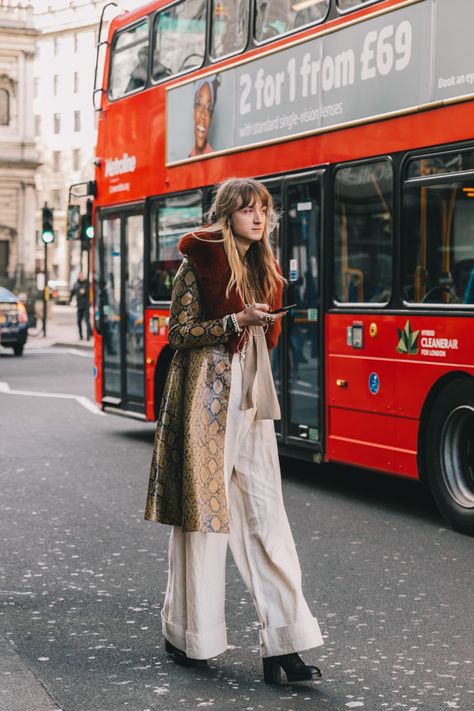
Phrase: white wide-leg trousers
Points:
(193, 615)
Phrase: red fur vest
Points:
(213, 273)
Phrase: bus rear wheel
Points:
(449, 454)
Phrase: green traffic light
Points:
(47, 237)
(90, 232)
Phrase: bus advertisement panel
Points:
(389, 64)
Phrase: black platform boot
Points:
(181, 657)
(295, 669)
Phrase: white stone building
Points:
(64, 116)
(18, 155)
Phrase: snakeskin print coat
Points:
(186, 486)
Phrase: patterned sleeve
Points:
(186, 326)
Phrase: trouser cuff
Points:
(196, 645)
(292, 638)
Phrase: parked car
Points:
(59, 291)
(13, 321)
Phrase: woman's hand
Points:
(255, 315)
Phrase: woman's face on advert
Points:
(202, 116)
(248, 222)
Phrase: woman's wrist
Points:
(233, 324)
(239, 318)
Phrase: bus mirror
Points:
(73, 222)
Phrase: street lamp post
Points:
(47, 235)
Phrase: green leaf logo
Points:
(407, 340)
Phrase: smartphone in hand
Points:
(283, 309)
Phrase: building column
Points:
(28, 226)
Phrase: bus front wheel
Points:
(449, 454)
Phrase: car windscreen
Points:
(6, 295)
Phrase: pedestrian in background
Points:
(81, 292)
(215, 474)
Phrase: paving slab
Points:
(20, 689)
(61, 331)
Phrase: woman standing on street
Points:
(215, 473)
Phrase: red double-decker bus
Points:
(358, 116)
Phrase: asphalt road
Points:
(82, 576)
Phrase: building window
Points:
(56, 196)
(56, 45)
(77, 120)
(4, 107)
(76, 82)
(57, 123)
(76, 42)
(56, 161)
(4, 256)
(36, 87)
(55, 84)
(37, 125)
(76, 159)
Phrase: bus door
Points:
(275, 188)
(301, 365)
(122, 311)
(295, 361)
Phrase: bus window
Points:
(276, 17)
(344, 5)
(438, 243)
(363, 197)
(129, 64)
(229, 27)
(179, 38)
(171, 218)
(441, 164)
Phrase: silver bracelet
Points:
(235, 323)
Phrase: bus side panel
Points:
(363, 440)
(140, 117)
(406, 454)
(372, 402)
(156, 325)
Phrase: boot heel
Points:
(271, 671)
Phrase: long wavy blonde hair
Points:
(255, 277)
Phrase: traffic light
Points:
(87, 228)
(47, 230)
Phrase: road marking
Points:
(58, 351)
(82, 400)
(14, 592)
(83, 354)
